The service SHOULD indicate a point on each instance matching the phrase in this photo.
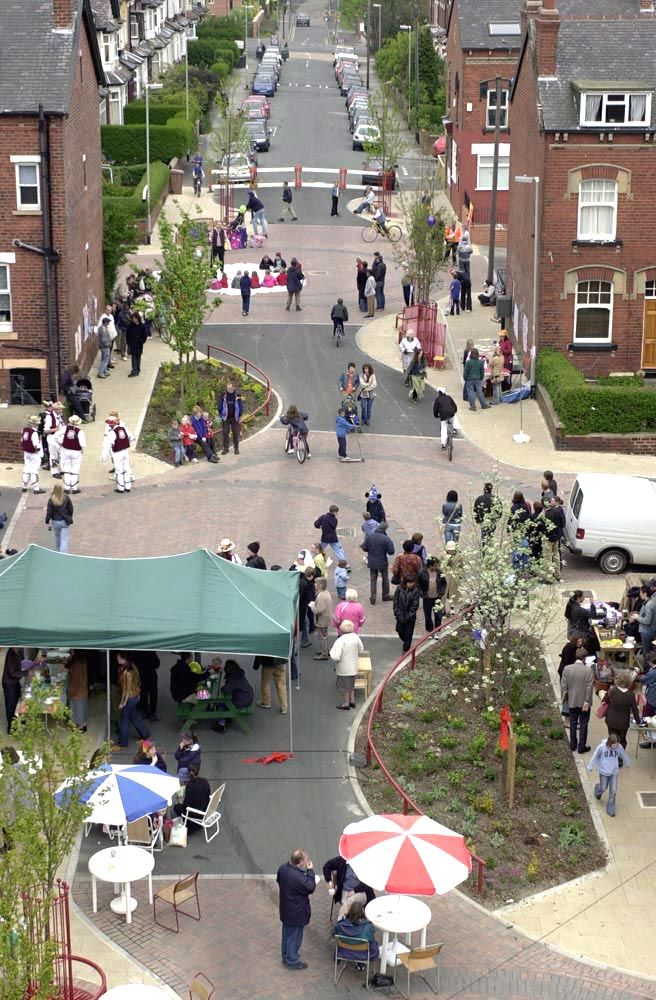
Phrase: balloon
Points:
(242, 209)
(431, 220)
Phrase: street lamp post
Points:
(379, 8)
(408, 28)
(368, 39)
(149, 87)
(246, 36)
(536, 250)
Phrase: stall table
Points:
(397, 915)
(612, 645)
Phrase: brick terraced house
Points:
(583, 114)
(51, 263)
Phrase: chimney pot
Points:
(547, 24)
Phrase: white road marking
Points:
(404, 171)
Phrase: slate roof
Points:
(474, 18)
(608, 53)
(36, 61)
(104, 16)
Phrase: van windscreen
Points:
(576, 500)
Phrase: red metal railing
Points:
(249, 369)
(423, 318)
(408, 660)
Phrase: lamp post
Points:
(246, 6)
(379, 8)
(368, 39)
(408, 28)
(149, 87)
(523, 179)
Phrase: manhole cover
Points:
(346, 532)
(647, 800)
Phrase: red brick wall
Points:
(536, 154)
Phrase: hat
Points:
(254, 547)
(112, 418)
(57, 405)
(75, 420)
(441, 388)
(226, 545)
(373, 493)
(34, 420)
(105, 319)
(146, 744)
(451, 546)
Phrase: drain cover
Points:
(647, 800)
(346, 532)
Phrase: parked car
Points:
(259, 135)
(361, 119)
(302, 19)
(612, 519)
(349, 82)
(239, 169)
(264, 85)
(364, 134)
(371, 170)
(256, 101)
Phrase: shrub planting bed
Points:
(438, 736)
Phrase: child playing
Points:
(188, 438)
(341, 578)
(323, 613)
(188, 753)
(342, 428)
(607, 759)
(174, 438)
(268, 281)
(368, 524)
(255, 279)
(296, 421)
(454, 292)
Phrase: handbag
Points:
(178, 836)
(602, 711)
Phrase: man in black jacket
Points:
(184, 681)
(254, 560)
(445, 409)
(361, 281)
(345, 879)
(555, 516)
(328, 525)
(296, 884)
(379, 271)
(295, 279)
(11, 682)
(378, 547)
(487, 511)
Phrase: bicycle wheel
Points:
(339, 333)
(369, 234)
(449, 444)
(394, 234)
(289, 444)
(301, 449)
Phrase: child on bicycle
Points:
(381, 221)
(339, 316)
(296, 421)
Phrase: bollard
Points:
(342, 178)
(298, 181)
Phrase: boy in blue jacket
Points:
(342, 428)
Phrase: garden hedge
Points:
(135, 113)
(220, 69)
(202, 52)
(127, 143)
(132, 200)
(589, 408)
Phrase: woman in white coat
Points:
(345, 652)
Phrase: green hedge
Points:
(220, 69)
(127, 143)
(135, 113)
(588, 408)
(202, 52)
(133, 204)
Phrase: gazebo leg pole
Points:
(109, 698)
(288, 682)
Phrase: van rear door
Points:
(572, 518)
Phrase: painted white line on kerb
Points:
(13, 521)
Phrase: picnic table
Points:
(196, 711)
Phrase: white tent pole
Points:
(109, 699)
(288, 681)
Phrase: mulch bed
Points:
(204, 384)
(438, 736)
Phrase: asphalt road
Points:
(304, 366)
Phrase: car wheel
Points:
(613, 561)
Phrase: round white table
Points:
(122, 866)
(136, 991)
(397, 915)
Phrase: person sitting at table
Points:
(348, 887)
(149, 755)
(355, 925)
(187, 754)
(237, 688)
(186, 675)
(196, 796)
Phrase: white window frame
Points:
(491, 109)
(116, 104)
(613, 100)
(485, 161)
(604, 201)
(579, 306)
(108, 48)
(32, 161)
(6, 261)
(134, 30)
(650, 289)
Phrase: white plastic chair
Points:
(208, 819)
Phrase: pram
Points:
(84, 394)
(350, 406)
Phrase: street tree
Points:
(421, 251)
(391, 144)
(229, 138)
(36, 835)
(181, 293)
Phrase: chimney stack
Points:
(63, 12)
(646, 6)
(528, 12)
(547, 24)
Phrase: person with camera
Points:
(296, 883)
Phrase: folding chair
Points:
(201, 988)
(178, 894)
(208, 819)
(354, 946)
(420, 960)
(146, 833)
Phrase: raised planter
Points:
(623, 444)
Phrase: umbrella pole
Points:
(109, 698)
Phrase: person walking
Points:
(417, 372)
(621, 706)
(432, 587)
(105, 340)
(379, 270)
(608, 757)
(295, 279)
(32, 449)
(368, 386)
(474, 374)
(296, 883)
(576, 686)
(59, 516)
(407, 346)
(406, 605)
(230, 408)
(245, 285)
(452, 517)
(135, 337)
(334, 194)
(287, 206)
(345, 652)
(370, 293)
(361, 282)
(73, 443)
(11, 682)
(130, 694)
(327, 524)
(273, 669)
(378, 546)
(256, 207)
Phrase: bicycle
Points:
(198, 184)
(372, 232)
(295, 442)
(449, 439)
(338, 333)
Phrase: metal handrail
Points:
(263, 377)
(94, 992)
(409, 660)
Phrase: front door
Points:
(649, 335)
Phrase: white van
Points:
(612, 519)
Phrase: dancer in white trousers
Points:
(32, 455)
(116, 442)
(73, 443)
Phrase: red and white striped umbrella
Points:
(412, 855)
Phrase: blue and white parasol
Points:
(121, 793)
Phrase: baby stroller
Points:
(350, 406)
(84, 393)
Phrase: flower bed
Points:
(438, 736)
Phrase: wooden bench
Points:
(196, 711)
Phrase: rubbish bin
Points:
(175, 181)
